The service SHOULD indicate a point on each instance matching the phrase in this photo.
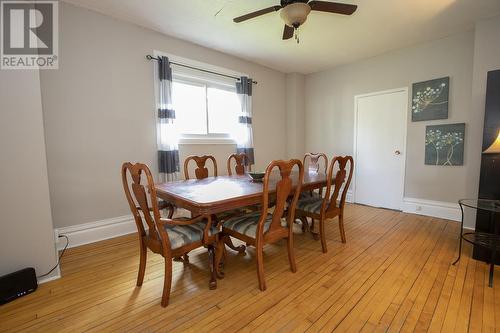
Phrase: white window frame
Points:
(207, 83)
(210, 80)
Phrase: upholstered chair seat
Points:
(306, 195)
(310, 204)
(181, 235)
(246, 224)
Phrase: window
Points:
(204, 107)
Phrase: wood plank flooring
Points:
(393, 275)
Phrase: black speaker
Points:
(17, 284)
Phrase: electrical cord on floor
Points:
(59, 259)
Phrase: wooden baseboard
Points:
(118, 226)
(444, 210)
(96, 231)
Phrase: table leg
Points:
(306, 228)
(461, 232)
(240, 249)
(220, 255)
(305, 225)
(184, 258)
(315, 235)
(211, 264)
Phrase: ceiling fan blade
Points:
(257, 13)
(333, 7)
(287, 32)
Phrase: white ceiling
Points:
(326, 40)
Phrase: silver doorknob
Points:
(397, 152)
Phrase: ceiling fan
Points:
(294, 13)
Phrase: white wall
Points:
(98, 111)
(295, 115)
(26, 235)
(330, 110)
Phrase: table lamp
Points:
(495, 146)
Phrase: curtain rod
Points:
(150, 57)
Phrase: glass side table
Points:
(489, 240)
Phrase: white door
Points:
(380, 148)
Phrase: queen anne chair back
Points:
(242, 164)
(312, 160)
(338, 196)
(284, 190)
(137, 192)
(201, 171)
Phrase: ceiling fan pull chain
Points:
(297, 35)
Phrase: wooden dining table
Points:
(214, 195)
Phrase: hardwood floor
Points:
(394, 274)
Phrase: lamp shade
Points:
(495, 146)
(295, 14)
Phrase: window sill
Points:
(207, 141)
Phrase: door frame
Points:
(405, 129)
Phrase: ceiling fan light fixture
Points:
(295, 14)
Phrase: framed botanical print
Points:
(430, 99)
(444, 144)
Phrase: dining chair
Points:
(333, 203)
(201, 171)
(169, 237)
(314, 164)
(242, 164)
(312, 160)
(262, 227)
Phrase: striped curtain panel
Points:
(167, 136)
(244, 137)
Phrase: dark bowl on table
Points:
(257, 176)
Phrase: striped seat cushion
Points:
(310, 204)
(307, 194)
(247, 224)
(180, 235)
